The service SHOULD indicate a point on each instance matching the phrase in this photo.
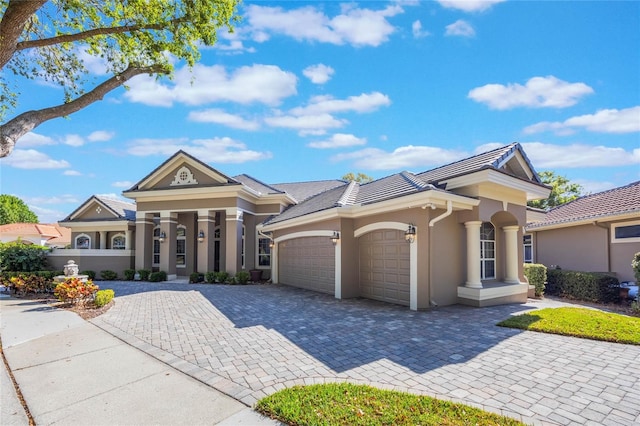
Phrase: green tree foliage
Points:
(360, 177)
(562, 191)
(22, 257)
(46, 39)
(14, 210)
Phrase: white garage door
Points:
(384, 266)
(307, 262)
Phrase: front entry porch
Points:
(493, 293)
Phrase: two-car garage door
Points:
(384, 266)
(307, 262)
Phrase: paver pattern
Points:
(250, 341)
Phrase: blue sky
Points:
(313, 90)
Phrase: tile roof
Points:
(614, 202)
(52, 232)
(256, 185)
(323, 201)
(124, 209)
(494, 159)
(392, 186)
(304, 190)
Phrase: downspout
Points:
(431, 223)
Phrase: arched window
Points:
(181, 246)
(83, 241)
(156, 246)
(118, 242)
(487, 251)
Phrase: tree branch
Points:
(17, 127)
(68, 38)
(13, 21)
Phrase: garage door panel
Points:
(308, 263)
(384, 266)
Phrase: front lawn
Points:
(349, 404)
(580, 322)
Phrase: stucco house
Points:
(43, 234)
(444, 236)
(595, 233)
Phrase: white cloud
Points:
(32, 139)
(73, 140)
(416, 29)
(355, 26)
(219, 150)
(592, 187)
(538, 92)
(308, 124)
(56, 199)
(100, 136)
(318, 74)
(469, 5)
(366, 102)
(94, 64)
(460, 28)
(338, 140)
(405, 157)
(72, 173)
(47, 215)
(603, 121)
(550, 156)
(122, 184)
(220, 117)
(266, 84)
(32, 159)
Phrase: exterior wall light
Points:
(335, 237)
(201, 236)
(162, 237)
(272, 244)
(410, 234)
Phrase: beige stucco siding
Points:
(115, 261)
(447, 260)
(621, 256)
(580, 248)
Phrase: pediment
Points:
(518, 165)
(93, 210)
(182, 171)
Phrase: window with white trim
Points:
(156, 246)
(118, 242)
(487, 251)
(181, 246)
(625, 232)
(264, 252)
(83, 241)
(527, 243)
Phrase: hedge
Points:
(537, 275)
(586, 286)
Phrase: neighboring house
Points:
(44, 234)
(595, 233)
(449, 235)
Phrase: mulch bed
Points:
(86, 311)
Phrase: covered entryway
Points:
(307, 262)
(384, 266)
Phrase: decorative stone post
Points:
(511, 253)
(473, 254)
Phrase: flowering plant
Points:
(74, 290)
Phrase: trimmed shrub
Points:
(30, 283)
(108, 275)
(210, 277)
(144, 274)
(73, 290)
(156, 277)
(196, 277)
(129, 274)
(22, 257)
(89, 273)
(242, 277)
(103, 297)
(537, 276)
(222, 277)
(587, 286)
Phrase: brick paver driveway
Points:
(250, 341)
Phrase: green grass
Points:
(349, 404)
(580, 322)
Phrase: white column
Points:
(511, 253)
(103, 240)
(127, 239)
(473, 254)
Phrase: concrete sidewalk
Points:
(71, 372)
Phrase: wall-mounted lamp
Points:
(410, 234)
(335, 237)
(201, 236)
(272, 244)
(162, 237)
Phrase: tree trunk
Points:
(15, 17)
(17, 127)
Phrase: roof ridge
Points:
(349, 195)
(413, 179)
(587, 196)
(259, 181)
(511, 145)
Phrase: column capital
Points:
(511, 228)
(235, 214)
(473, 224)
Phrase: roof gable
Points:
(182, 170)
(103, 208)
(624, 200)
